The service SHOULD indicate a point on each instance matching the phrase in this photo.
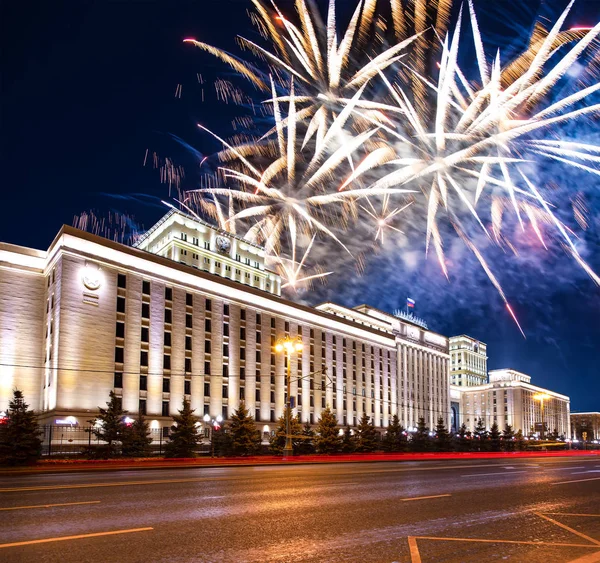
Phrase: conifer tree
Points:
(420, 439)
(348, 441)
(508, 442)
(464, 442)
(245, 437)
(109, 426)
(394, 439)
(20, 441)
(136, 438)
(495, 437)
(277, 441)
(184, 436)
(306, 446)
(327, 440)
(442, 440)
(480, 436)
(367, 437)
(519, 441)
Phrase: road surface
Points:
(529, 510)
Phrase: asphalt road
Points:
(530, 510)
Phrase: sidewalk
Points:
(59, 466)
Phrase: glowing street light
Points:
(213, 424)
(288, 346)
(541, 397)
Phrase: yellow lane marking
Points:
(565, 527)
(115, 484)
(415, 556)
(587, 545)
(591, 558)
(573, 514)
(577, 481)
(79, 537)
(51, 505)
(423, 498)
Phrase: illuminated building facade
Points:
(468, 361)
(156, 325)
(588, 422)
(510, 398)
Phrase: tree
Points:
(277, 441)
(367, 438)
(519, 441)
(480, 436)
(136, 438)
(307, 445)
(442, 439)
(420, 439)
(495, 437)
(245, 437)
(508, 439)
(109, 426)
(327, 440)
(463, 440)
(20, 441)
(184, 436)
(348, 441)
(394, 439)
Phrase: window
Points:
(272, 396)
(258, 319)
(166, 361)
(168, 316)
(225, 370)
(207, 245)
(312, 332)
(166, 385)
(187, 387)
(188, 342)
(146, 287)
(189, 299)
(225, 391)
(242, 353)
(188, 365)
(145, 310)
(243, 314)
(226, 308)
(206, 368)
(207, 325)
(122, 281)
(118, 380)
(143, 383)
(225, 329)
(119, 355)
(257, 395)
(142, 406)
(287, 326)
(145, 334)
(242, 393)
(167, 339)
(120, 304)
(168, 293)
(207, 347)
(144, 358)
(225, 350)
(188, 321)
(272, 322)
(184, 236)
(258, 356)
(195, 241)
(258, 337)
(242, 374)
(242, 333)
(120, 330)
(165, 408)
(208, 305)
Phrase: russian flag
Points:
(410, 302)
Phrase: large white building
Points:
(510, 398)
(468, 361)
(193, 312)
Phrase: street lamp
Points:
(541, 397)
(288, 345)
(213, 424)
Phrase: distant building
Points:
(510, 398)
(588, 422)
(468, 361)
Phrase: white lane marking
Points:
(424, 498)
(486, 474)
(576, 481)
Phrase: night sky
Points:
(88, 87)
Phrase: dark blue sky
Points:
(87, 87)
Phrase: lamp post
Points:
(541, 397)
(288, 345)
(213, 424)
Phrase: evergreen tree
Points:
(508, 442)
(348, 441)
(394, 439)
(277, 441)
(20, 441)
(367, 438)
(495, 437)
(327, 440)
(420, 439)
(221, 441)
(480, 436)
(108, 426)
(136, 438)
(519, 441)
(306, 446)
(443, 442)
(184, 436)
(245, 438)
(463, 440)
